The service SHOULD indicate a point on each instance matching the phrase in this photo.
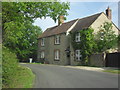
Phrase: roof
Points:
(58, 29)
(81, 24)
(84, 23)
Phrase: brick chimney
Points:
(109, 13)
(60, 19)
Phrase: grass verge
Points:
(23, 79)
(112, 71)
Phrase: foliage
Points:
(19, 34)
(21, 11)
(23, 79)
(22, 40)
(9, 66)
(86, 44)
(105, 38)
(119, 42)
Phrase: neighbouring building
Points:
(54, 44)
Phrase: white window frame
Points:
(78, 55)
(77, 37)
(102, 35)
(42, 42)
(57, 54)
(42, 54)
(57, 39)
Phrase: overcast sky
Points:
(80, 10)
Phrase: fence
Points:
(111, 60)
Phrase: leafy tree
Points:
(22, 11)
(22, 39)
(19, 34)
(106, 37)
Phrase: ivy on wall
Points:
(86, 44)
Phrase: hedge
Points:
(9, 66)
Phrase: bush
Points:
(9, 66)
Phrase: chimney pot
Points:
(60, 19)
(109, 13)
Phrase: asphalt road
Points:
(53, 76)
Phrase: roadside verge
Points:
(23, 79)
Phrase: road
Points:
(55, 76)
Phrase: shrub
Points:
(9, 66)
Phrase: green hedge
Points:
(9, 66)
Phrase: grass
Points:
(24, 78)
(113, 71)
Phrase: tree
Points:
(106, 38)
(19, 34)
(22, 11)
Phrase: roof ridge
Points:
(70, 20)
(66, 26)
(75, 19)
(91, 15)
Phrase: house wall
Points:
(73, 61)
(50, 47)
(99, 21)
(97, 59)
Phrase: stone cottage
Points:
(55, 46)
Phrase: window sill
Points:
(77, 41)
(57, 44)
(78, 61)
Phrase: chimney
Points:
(60, 19)
(109, 13)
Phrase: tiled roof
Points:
(81, 24)
(84, 23)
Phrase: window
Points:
(77, 37)
(78, 55)
(42, 42)
(57, 39)
(57, 54)
(102, 34)
(42, 54)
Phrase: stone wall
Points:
(100, 20)
(50, 47)
(97, 60)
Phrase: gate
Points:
(112, 59)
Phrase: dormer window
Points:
(77, 37)
(42, 42)
(57, 39)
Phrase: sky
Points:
(80, 10)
